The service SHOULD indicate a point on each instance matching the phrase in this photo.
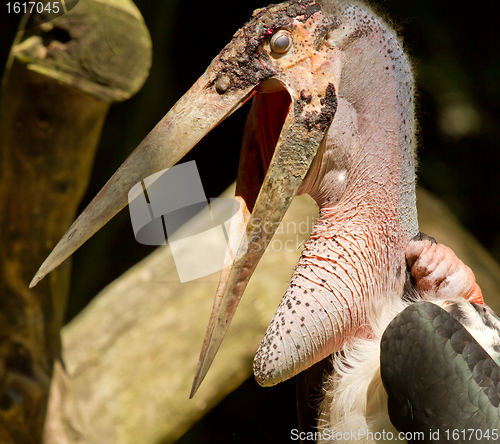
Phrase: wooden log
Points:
(132, 353)
(101, 47)
(60, 80)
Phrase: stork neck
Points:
(377, 186)
(364, 177)
(365, 173)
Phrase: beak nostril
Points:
(223, 83)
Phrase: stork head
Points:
(305, 64)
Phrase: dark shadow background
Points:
(456, 57)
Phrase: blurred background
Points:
(456, 59)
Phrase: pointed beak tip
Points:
(193, 391)
(37, 278)
(196, 385)
(41, 273)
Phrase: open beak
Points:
(190, 119)
(284, 131)
(276, 155)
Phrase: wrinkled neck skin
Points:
(364, 184)
(363, 180)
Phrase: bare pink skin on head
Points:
(439, 273)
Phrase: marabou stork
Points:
(333, 116)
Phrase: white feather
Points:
(355, 404)
(483, 325)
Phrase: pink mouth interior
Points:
(263, 128)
